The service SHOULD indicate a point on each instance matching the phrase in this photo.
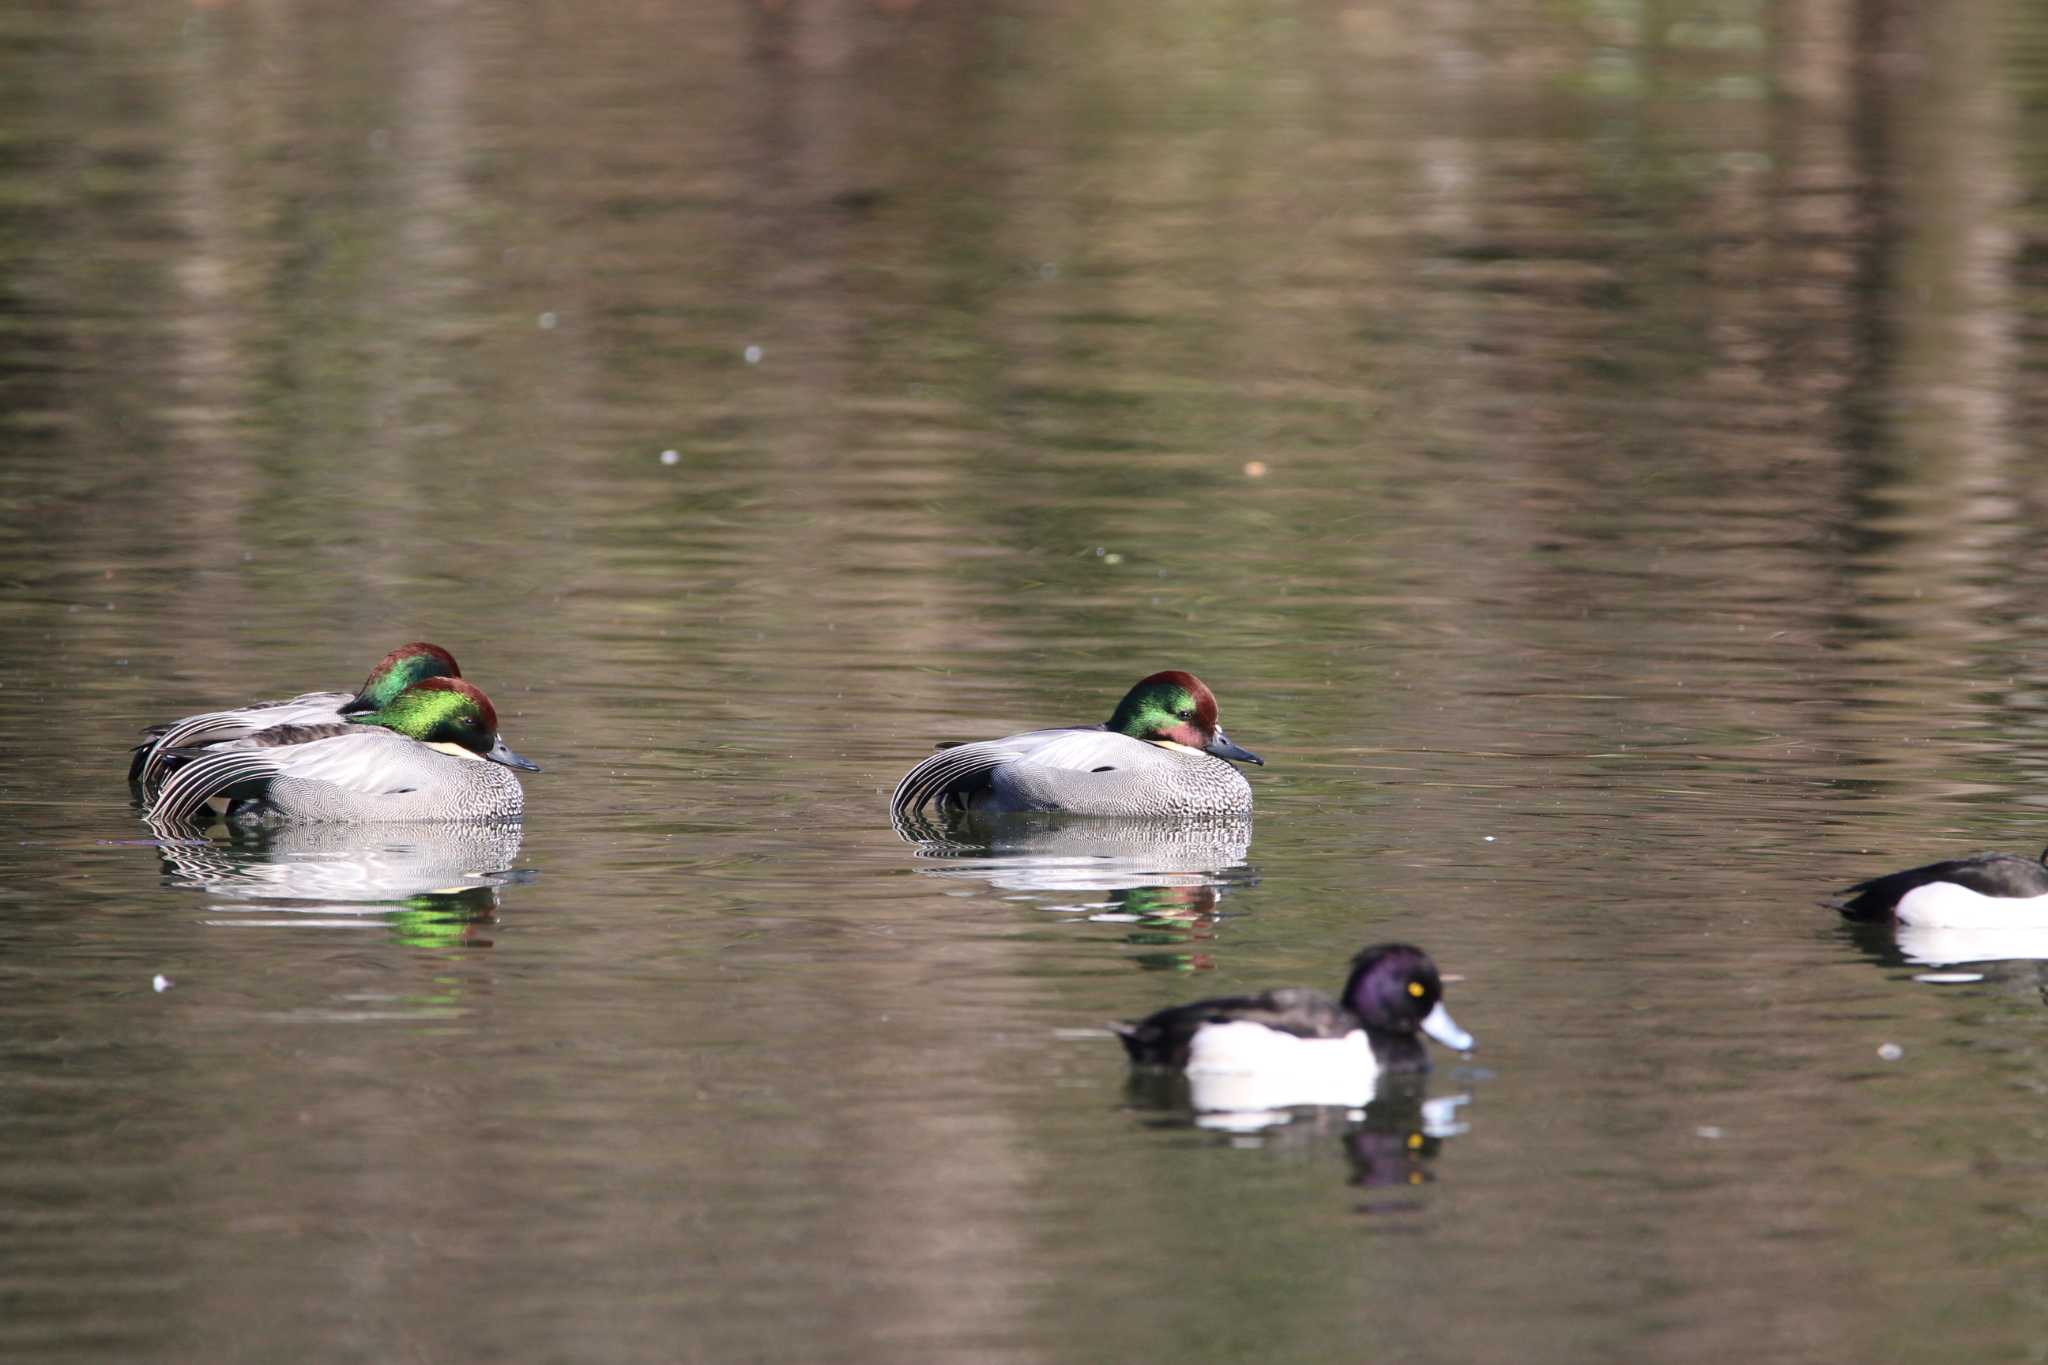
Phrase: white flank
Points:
(1243, 1066)
(1948, 906)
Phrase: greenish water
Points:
(1590, 451)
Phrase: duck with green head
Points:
(1161, 755)
(431, 753)
(396, 671)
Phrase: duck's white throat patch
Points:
(457, 751)
(1176, 746)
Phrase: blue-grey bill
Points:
(1223, 748)
(501, 754)
(1440, 1026)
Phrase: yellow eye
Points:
(1415, 989)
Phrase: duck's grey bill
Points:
(1223, 748)
(1440, 1026)
(500, 754)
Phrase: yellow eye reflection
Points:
(1415, 989)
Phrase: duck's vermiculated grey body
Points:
(1087, 770)
(355, 773)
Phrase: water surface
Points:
(1588, 451)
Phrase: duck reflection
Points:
(431, 884)
(1164, 879)
(1941, 945)
(1394, 1140)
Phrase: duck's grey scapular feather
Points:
(357, 773)
(1083, 770)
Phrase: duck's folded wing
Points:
(370, 762)
(150, 760)
(198, 778)
(964, 770)
(958, 772)
(1162, 1039)
(1299, 1011)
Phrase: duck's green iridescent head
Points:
(448, 711)
(398, 670)
(1176, 708)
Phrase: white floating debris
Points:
(1949, 978)
(1708, 1130)
(670, 456)
(547, 321)
(1890, 1052)
(1489, 838)
(752, 355)
(160, 983)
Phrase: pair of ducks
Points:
(414, 743)
(402, 746)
